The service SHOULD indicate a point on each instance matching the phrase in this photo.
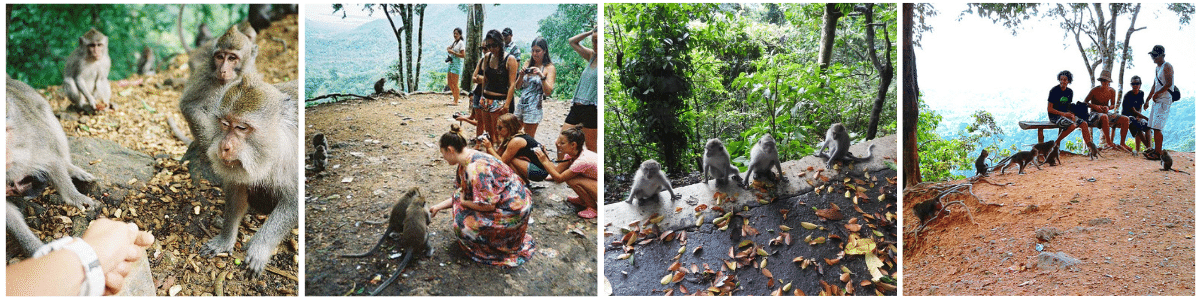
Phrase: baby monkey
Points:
(408, 224)
(1022, 159)
(648, 181)
(1048, 152)
(763, 156)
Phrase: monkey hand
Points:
(257, 256)
(219, 244)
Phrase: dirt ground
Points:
(380, 148)
(1129, 225)
(181, 215)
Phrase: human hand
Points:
(117, 245)
(486, 143)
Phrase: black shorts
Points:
(585, 114)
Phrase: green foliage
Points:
(568, 21)
(939, 157)
(745, 73)
(41, 36)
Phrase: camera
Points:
(482, 137)
(528, 70)
(448, 58)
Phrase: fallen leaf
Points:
(832, 261)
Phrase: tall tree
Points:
(885, 67)
(912, 168)
(474, 39)
(407, 74)
(828, 34)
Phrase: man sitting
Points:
(1059, 110)
(1101, 100)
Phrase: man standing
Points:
(509, 47)
(1160, 93)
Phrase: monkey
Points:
(763, 156)
(1048, 151)
(409, 224)
(981, 163)
(253, 152)
(201, 55)
(1093, 152)
(379, 85)
(716, 161)
(291, 88)
(85, 76)
(37, 154)
(261, 15)
(1022, 159)
(837, 140)
(1167, 162)
(648, 181)
(319, 157)
(927, 209)
(203, 34)
(228, 60)
(145, 62)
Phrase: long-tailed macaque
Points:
(230, 58)
(85, 77)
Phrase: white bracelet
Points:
(93, 274)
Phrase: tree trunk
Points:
(1125, 52)
(828, 33)
(420, 41)
(399, 46)
(886, 70)
(407, 17)
(474, 39)
(912, 168)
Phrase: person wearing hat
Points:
(1131, 107)
(1102, 100)
(1164, 82)
(1059, 109)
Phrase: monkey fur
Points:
(1047, 152)
(981, 167)
(648, 181)
(85, 76)
(37, 155)
(379, 85)
(254, 153)
(1167, 162)
(927, 209)
(716, 162)
(1022, 159)
(320, 156)
(203, 92)
(145, 62)
(1093, 152)
(837, 140)
(763, 156)
(409, 224)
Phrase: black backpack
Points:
(1080, 110)
(1175, 94)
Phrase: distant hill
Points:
(1008, 108)
(350, 60)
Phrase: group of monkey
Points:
(1049, 153)
(244, 133)
(650, 180)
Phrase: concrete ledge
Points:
(622, 214)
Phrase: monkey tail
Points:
(372, 251)
(408, 255)
(179, 30)
(178, 132)
(870, 153)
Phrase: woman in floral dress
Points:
(491, 206)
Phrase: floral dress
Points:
(496, 237)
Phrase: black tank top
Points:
(497, 79)
(527, 151)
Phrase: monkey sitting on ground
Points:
(408, 224)
(145, 62)
(648, 181)
(716, 162)
(763, 156)
(254, 153)
(981, 164)
(927, 209)
(1022, 159)
(1167, 162)
(37, 153)
(1048, 152)
(85, 76)
(320, 157)
(379, 85)
(837, 140)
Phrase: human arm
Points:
(433, 210)
(560, 172)
(513, 68)
(476, 76)
(584, 52)
(548, 73)
(1050, 109)
(1168, 80)
(116, 244)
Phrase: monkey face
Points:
(651, 166)
(235, 132)
(227, 64)
(768, 144)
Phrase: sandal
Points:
(1151, 155)
(587, 213)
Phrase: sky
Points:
(976, 56)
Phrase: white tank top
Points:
(1158, 81)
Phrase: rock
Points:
(113, 164)
(1057, 260)
(1099, 221)
(139, 282)
(1046, 234)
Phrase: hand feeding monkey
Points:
(648, 181)
(837, 140)
(409, 225)
(254, 153)
(716, 162)
(763, 156)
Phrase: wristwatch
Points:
(93, 273)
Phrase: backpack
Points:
(1080, 110)
(1175, 94)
